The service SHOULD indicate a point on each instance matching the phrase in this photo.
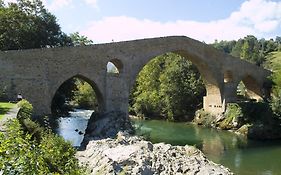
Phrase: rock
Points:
(107, 125)
(137, 156)
(111, 149)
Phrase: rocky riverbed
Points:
(122, 153)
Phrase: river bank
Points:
(110, 148)
(252, 120)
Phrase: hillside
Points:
(273, 61)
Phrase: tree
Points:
(181, 88)
(27, 24)
(168, 86)
(84, 95)
(79, 40)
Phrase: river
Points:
(242, 156)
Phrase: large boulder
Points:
(132, 155)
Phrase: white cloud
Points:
(93, 3)
(257, 17)
(58, 4)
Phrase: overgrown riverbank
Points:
(254, 120)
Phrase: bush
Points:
(27, 148)
(232, 116)
(21, 154)
(26, 109)
(204, 118)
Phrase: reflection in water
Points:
(72, 128)
(242, 156)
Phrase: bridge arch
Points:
(114, 66)
(252, 87)
(99, 96)
(213, 101)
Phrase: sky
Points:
(119, 20)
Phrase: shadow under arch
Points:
(99, 96)
(252, 87)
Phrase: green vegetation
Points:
(169, 87)
(273, 61)
(84, 95)
(28, 24)
(5, 107)
(80, 40)
(74, 93)
(250, 48)
(27, 148)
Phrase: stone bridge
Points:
(38, 73)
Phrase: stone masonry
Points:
(38, 73)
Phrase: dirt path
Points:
(10, 115)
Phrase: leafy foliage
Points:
(84, 95)
(74, 93)
(80, 40)
(168, 86)
(26, 148)
(27, 24)
(249, 48)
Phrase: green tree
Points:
(84, 95)
(146, 100)
(27, 24)
(168, 86)
(79, 40)
(236, 50)
(181, 87)
(276, 94)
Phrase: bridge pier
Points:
(117, 94)
(230, 92)
(213, 104)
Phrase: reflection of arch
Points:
(253, 88)
(114, 66)
(228, 77)
(98, 93)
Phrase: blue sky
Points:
(118, 20)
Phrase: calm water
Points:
(241, 156)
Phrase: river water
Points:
(245, 157)
(242, 156)
(72, 127)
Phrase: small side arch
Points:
(227, 77)
(114, 66)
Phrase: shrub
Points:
(232, 115)
(27, 148)
(26, 109)
(21, 154)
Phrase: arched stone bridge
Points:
(38, 73)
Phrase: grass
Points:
(273, 61)
(5, 107)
